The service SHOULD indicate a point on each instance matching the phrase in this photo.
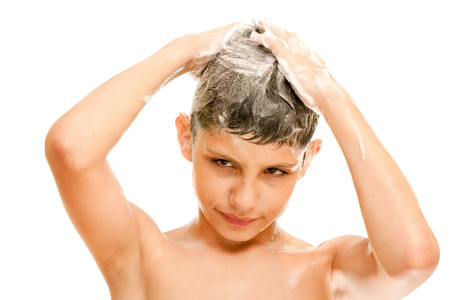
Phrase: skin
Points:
(210, 258)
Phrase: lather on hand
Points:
(302, 67)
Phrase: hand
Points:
(206, 45)
(192, 52)
(302, 67)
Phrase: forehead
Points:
(238, 147)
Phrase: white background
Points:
(391, 56)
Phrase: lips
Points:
(235, 220)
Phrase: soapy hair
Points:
(242, 91)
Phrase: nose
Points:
(245, 195)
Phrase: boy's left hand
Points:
(301, 66)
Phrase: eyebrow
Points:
(218, 154)
(276, 165)
(286, 165)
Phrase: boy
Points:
(248, 139)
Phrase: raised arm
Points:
(77, 146)
(401, 251)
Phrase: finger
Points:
(275, 29)
(230, 30)
(269, 40)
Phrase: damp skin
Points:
(138, 261)
(390, 210)
(175, 74)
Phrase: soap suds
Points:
(177, 72)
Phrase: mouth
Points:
(234, 220)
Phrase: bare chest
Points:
(190, 273)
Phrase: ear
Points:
(312, 150)
(184, 135)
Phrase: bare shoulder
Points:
(286, 242)
(329, 248)
(356, 274)
(351, 254)
(341, 242)
(127, 278)
(296, 242)
(178, 234)
(331, 251)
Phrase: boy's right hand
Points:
(204, 46)
(77, 146)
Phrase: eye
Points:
(223, 162)
(275, 171)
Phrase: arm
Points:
(401, 251)
(78, 143)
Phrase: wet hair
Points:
(242, 91)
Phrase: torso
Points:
(193, 269)
(192, 272)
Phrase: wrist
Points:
(179, 52)
(332, 98)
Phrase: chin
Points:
(241, 235)
(232, 233)
(238, 236)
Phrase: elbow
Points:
(58, 149)
(419, 262)
(427, 256)
(424, 253)
(61, 150)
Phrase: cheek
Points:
(276, 195)
(208, 186)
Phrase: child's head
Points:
(243, 92)
(247, 139)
